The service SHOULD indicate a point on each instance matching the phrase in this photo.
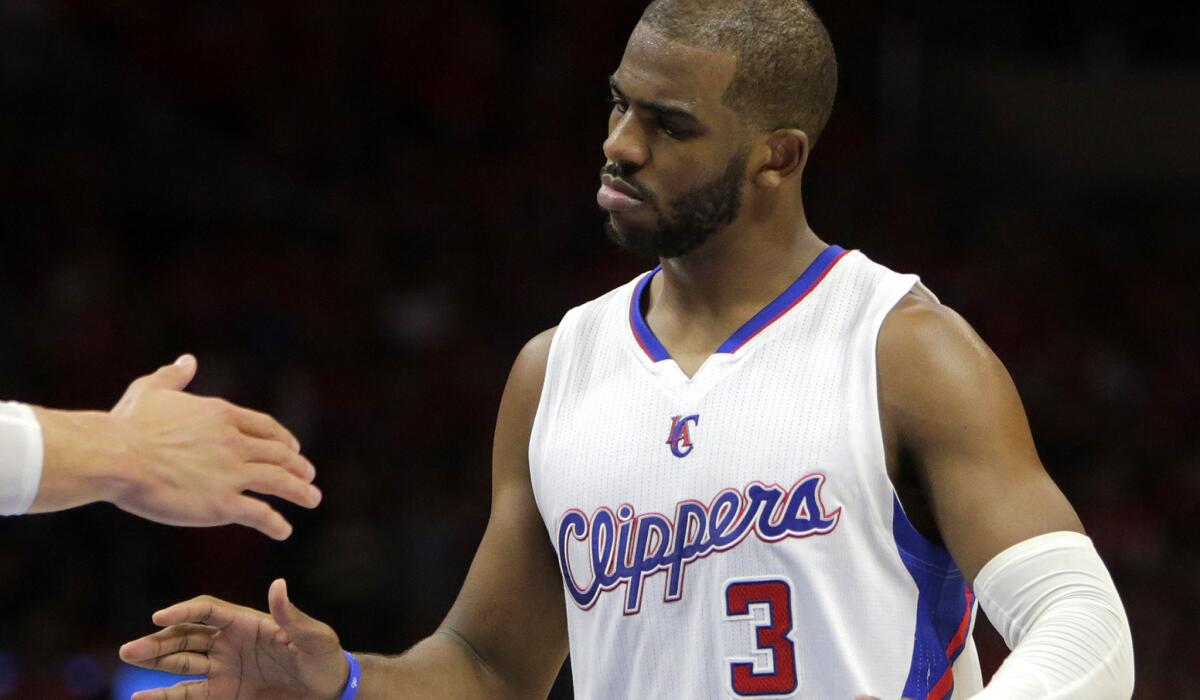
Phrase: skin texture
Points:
(946, 400)
(174, 458)
(505, 636)
(952, 421)
(282, 655)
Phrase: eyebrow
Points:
(660, 108)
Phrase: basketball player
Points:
(768, 468)
(161, 454)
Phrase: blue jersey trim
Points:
(637, 321)
(794, 294)
(783, 303)
(944, 604)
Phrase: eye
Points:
(618, 104)
(672, 132)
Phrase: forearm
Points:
(83, 454)
(53, 460)
(1054, 603)
(441, 666)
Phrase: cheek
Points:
(676, 173)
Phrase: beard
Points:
(690, 220)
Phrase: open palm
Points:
(245, 654)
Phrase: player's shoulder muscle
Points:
(935, 370)
(924, 334)
(946, 400)
(518, 407)
(529, 372)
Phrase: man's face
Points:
(676, 156)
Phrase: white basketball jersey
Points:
(735, 535)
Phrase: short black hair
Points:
(786, 75)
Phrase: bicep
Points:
(955, 409)
(510, 609)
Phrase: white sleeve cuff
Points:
(21, 454)
(1053, 601)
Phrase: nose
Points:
(625, 144)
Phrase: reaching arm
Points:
(505, 636)
(947, 401)
(160, 453)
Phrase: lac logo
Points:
(680, 438)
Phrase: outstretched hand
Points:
(191, 458)
(245, 654)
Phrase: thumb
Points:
(305, 632)
(174, 376)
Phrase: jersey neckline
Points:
(772, 312)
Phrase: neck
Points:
(738, 271)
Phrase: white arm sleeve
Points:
(1053, 601)
(20, 458)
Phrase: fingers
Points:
(271, 480)
(285, 613)
(278, 603)
(272, 452)
(184, 664)
(305, 632)
(254, 513)
(269, 442)
(185, 690)
(261, 425)
(187, 637)
(203, 610)
(174, 376)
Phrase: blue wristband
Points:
(353, 680)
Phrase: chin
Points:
(632, 239)
(619, 227)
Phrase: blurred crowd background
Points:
(356, 213)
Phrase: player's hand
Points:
(191, 458)
(245, 654)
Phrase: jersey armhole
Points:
(908, 539)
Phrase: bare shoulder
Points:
(522, 393)
(940, 384)
(529, 370)
(537, 350)
(927, 346)
(948, 403)
(919, 324)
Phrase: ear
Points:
(786, 156)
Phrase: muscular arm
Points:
(505, 636)
(946, 400)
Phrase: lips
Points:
(617, 196)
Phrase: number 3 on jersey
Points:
(771, 670)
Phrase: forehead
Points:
(655, 67)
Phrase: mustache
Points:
(618, 171)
